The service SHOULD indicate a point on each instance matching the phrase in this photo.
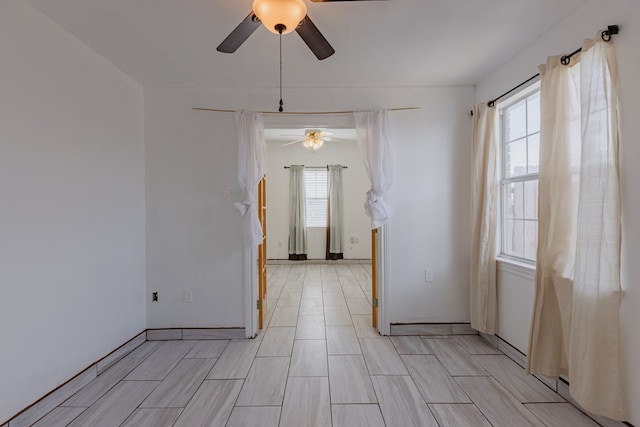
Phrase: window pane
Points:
(316, 212)
(520, 161)
(533, 150)
(516, 121)
(507, 206)
(530, 239)
(531, 199)
(514, 200)
(516, 158)
(533, 113)
(514, 238)
(316, 193)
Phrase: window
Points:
(316, 182)
(520, 159)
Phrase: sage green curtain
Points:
(335, 247)
(297, 213)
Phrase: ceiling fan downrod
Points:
(280, 28)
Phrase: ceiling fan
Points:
(314, 139)
(280, 17)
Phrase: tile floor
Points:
(318, 363)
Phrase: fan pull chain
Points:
(281, 109)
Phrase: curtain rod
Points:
(324, 113)
(316, 167)
(565, 60)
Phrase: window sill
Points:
(518, 268)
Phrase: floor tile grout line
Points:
(534, 376)
(107, 391)
(286, 384)
(137, 407)
(452, 376)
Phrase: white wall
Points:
(194, 235)
(72, 217)
(565, 37)
(355, 185)
(430, 228)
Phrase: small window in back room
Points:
(519, 184)
(317, 195)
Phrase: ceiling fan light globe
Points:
(313, 143)
(273, 13)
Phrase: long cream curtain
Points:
(575, 325)
(484, 209)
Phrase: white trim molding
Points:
(250, 285)
(521, 269)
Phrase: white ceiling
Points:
(377, 43)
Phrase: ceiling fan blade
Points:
(314, 39)
(294, 142)
(240, 34)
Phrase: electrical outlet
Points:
(428, 275)
(188, 296)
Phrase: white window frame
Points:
(503, 181)
(312, 220)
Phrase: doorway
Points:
(275, 248)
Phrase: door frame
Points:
(250, 263)
(252, 271)
(382, 277)
(250, 285)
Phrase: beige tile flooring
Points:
(318, 363)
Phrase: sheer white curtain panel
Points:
(575, 330)
(373, 129)
(251, 169)
(484, 217)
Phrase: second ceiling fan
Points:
(280, 17)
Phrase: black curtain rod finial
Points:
(610, 31)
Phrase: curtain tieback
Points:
(375, 206)
(243, 206)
